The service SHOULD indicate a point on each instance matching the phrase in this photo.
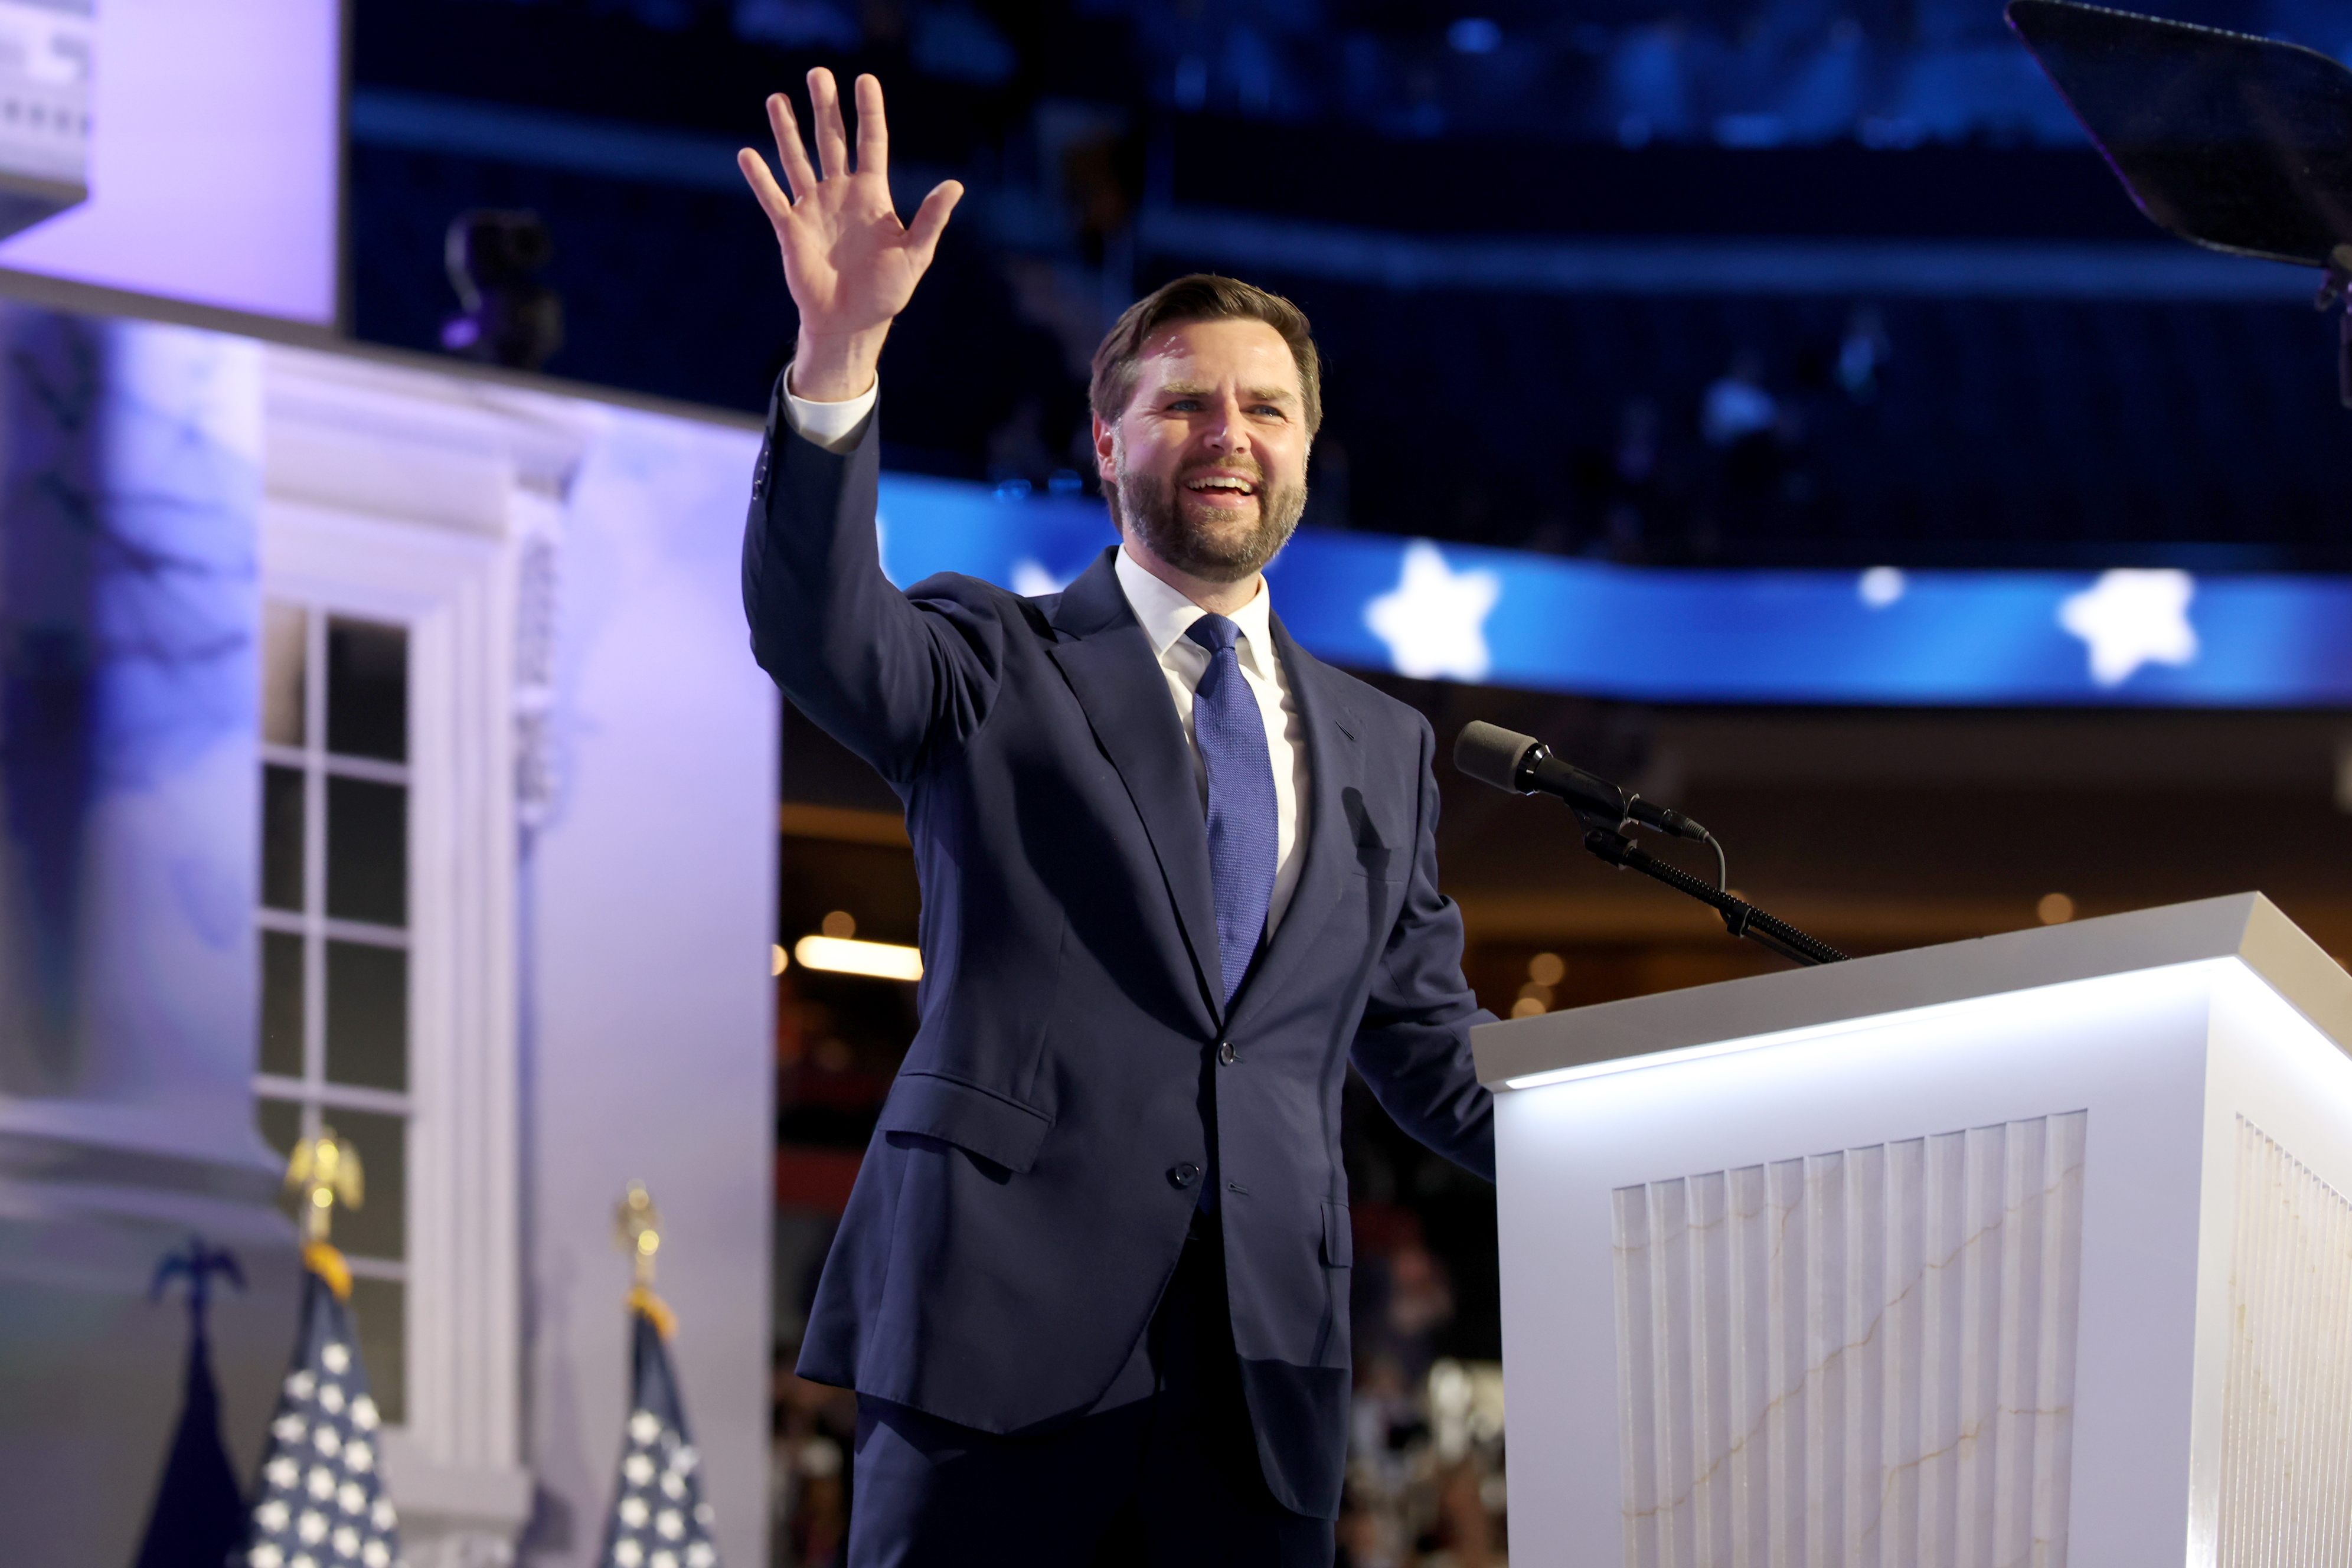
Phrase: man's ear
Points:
(1106, 452)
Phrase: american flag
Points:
(320, 1502)
(659, 1520)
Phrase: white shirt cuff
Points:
(835, 426)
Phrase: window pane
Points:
(284, 656)
(377, 1228)
(281, 837)
(367, 851)
(367, 1016)
(281, 1003)
(367, 689)
(380, 1321)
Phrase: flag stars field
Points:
(658, 1519)
(321, 1503)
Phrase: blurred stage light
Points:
(778, 959)
(1881, 586)
(842, 955)
(1474, 36)
(2055, 909)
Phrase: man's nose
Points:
(1226, 431)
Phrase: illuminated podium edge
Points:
(2164, 1070)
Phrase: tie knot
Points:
(1215, 632)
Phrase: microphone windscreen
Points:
(1491, 755)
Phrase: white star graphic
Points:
(2133, 617)
(1435, 619)
(1032, 581)
(1882, 586)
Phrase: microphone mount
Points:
(1741, 918)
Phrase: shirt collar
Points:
(1166, 615)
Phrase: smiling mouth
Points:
(1221, 488)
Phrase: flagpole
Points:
(326, 1171)
(637, 1229)
(658, 1518)
(198, 1515)
(320, 1496)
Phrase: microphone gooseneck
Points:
(1521, 765)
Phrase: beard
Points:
(1205, 541)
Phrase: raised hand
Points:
(851, 265)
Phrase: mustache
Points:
(1248, 467)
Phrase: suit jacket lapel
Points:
(1108, 660)
(1334, 763)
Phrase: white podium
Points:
(2028, 1250)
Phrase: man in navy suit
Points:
(1092, 1284)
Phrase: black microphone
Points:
(1522, 764)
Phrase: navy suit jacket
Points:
(1034, 1172)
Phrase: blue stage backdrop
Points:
(2150, 638)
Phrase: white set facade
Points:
(489, 778)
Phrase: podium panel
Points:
(2024, 1250)
(1870, 1343)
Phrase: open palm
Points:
(851, 265)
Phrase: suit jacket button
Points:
(1183, 1175)
(1226, 1054)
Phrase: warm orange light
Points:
(882, 959)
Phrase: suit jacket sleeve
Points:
(902, 679)
(1414, 1044)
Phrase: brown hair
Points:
(1203, 297)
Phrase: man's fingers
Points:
(873, 131)
(931, 219)
(790, 151)
(832, 137)
(772, 200)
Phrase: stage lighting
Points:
(1474, 36)
(846, 955)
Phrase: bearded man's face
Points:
(1206, 467)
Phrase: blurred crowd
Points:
(1747, 74)
(1745, 452)
(1425, 1448)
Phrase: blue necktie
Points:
(1242, 845)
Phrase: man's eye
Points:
(1269, 410)
(1184, 404)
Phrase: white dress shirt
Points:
(1165, 616)
(835, 426)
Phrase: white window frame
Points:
(401, 494)
(312, 1093)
